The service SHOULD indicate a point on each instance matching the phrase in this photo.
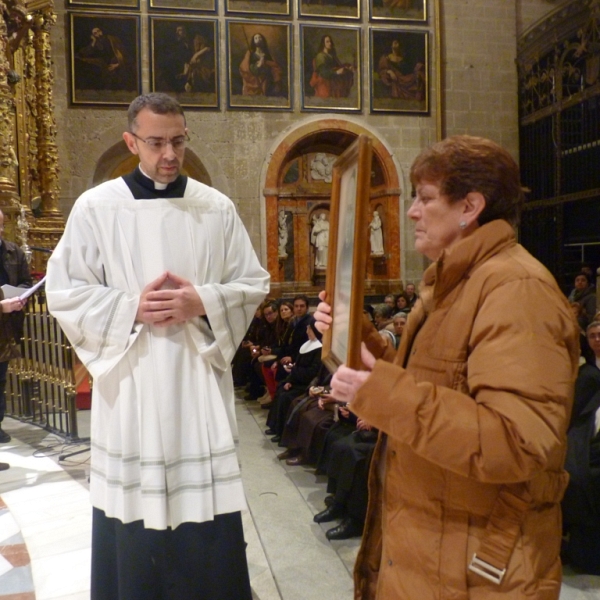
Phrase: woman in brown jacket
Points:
(468, 474)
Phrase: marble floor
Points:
(45, 522)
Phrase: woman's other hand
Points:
(11, 304)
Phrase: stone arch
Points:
(294, 272)
(118, 160)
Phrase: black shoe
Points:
(331, 513)
(348, 528)
(4, 437)
(276, 439)
(4, 466)
(329, 500)
(270, 431)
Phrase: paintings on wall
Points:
(259, 65)
(399, 71)
(330, 9)
(195, 5)
(331, 69)
(260, 7)
(184, 60)
(185, 55)
(105, 62)
(398, 10)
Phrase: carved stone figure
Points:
(319, 237)
(321, 167)
(376, 235)
(283, 234)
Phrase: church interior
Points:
(524, 73)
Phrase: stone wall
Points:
(480, 92)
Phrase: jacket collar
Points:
(459, 261)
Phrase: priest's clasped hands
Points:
(169, 300)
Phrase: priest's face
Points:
(152, 140)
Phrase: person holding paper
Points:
(13, 271)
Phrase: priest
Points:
(155, 282)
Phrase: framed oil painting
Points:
(259, 7)
(398, 10)
(347, 258)
(330, 9)
(105, 62)
(104, 3)
(191, 5)
(399, 71)
(259, 65)
(331, 69)
(184, 61)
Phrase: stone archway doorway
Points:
(298, 191)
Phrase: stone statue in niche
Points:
(319, 237)
(376, 228)
(321, 167)
(283, 234)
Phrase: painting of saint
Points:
(399, 72)
(259, 65)
(104, 59)
(398, 10)
(331, 70)
(263, 7)
(184, 60)
(331, 9)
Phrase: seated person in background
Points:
(390, 300)
(288, 352)
(584, 293)
(308, 420)
(265, 336)
(399, 323)
(241, 367)
(382, 317)
(402, 303)
(300, 374)
(347, 466)
(581, 504)
(411, 294)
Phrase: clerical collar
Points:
(144, 188)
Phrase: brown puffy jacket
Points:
(474, 406)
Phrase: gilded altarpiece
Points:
(28, 152)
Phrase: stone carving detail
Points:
(321, 167)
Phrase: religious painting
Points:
(398, 10)
(331, 69)
(259, 65)
(184, 61)
(329, 9)
(105, 3)
(347, 258)
(399, 71)
(105, 62)
(260, 7)
(191, 5)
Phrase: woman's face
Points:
(437, 221)
(285, 312)
(581, 282)
(401, 302)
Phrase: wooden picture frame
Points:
(347, 258)
(330, 9)
(331, 68)
(183, 55)
(259, 65)
(97, 4)
(399, 71)
(398, 10)
(281, 8)
(105, 61)
(209, 6)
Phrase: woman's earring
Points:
(462, 224)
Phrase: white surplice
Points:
(163, 421)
